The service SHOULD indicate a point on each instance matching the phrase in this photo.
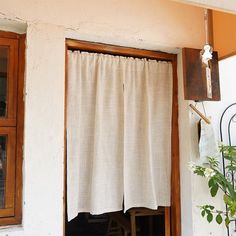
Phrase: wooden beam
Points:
(117, 50)
(9, 35)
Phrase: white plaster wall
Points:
(153, 24)
(185, 157)
(228, 95)
(44, 130)
(44, 133)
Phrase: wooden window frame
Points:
(71, 44)
(13, 127)
(12, 45)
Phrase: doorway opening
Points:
(170, 223)
(116, 223)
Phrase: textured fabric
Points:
(118, 132)
(147, 133)
(207, 143)
(95, 134)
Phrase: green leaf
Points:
(228, 151)
(214, 190)
(229, 158)
(227, 221)
(209, 217)
(211, 183)
(232, 209)
(232, 168)
(219, 219)
(203, 213)
(227, 199)
(208, 211)
(211, 207)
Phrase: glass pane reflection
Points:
(3, 80)
(3, 145)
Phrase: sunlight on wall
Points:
(224, 31)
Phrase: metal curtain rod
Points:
(200, 114)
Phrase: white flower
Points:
(192, 166)
(208, 173)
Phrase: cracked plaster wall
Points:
(153, 24)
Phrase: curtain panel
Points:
(119, 113)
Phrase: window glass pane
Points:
(3, 80)
(3, 156)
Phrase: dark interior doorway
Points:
(102, 225)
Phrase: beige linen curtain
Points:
(118, 133)
(147, 133)
(94, 134)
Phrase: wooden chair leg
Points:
(167, 221)
(133, 225)
(113, 229)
